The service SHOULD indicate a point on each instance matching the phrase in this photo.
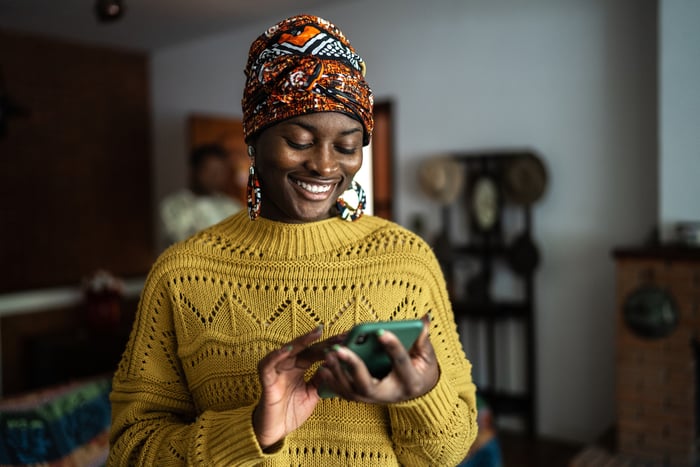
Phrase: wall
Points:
(679, 113)
(574, 80)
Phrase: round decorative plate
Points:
(525, 180)
(650, 312)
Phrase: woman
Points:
(239, 325)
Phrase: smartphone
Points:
(362, 339)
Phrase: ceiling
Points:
(146, 24)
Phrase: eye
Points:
(349, 150)
(299, 146)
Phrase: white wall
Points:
(679, 108)
(574, 80)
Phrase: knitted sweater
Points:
(215, 305)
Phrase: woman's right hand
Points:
(287, 400)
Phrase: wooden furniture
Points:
(383, 160)
(473, 256)
(57, 346)
(658, 332)
(59, 358)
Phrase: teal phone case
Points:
(362, 340)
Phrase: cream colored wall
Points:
(573, 80)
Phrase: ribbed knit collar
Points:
(296, 240)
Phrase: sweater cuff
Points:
(230, 438)
(427, 411)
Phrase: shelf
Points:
(473, 258)
(491, 310)
(659, 252)
(478, 250)
(506, 403)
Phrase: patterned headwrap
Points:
(303, 65)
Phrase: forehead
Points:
(323, 121)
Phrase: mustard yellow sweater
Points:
(215, 305)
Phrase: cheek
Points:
(353, 166)
(271, 167)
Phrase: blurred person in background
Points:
(204, 203)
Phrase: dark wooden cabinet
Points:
(67, 356)
(487, 235)
(658, 347)
(59, 345)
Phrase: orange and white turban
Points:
(303, 65)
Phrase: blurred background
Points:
(98, 116)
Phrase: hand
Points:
(414, 372)
(287, 400)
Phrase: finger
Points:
(352, 373)
(427, 320)
(267, 367)
(400, 357)
(323, 381)
(422, 352)
(291, 349)
(318, 350)
(302, 342)
(340, 380)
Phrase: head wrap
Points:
(303, 65)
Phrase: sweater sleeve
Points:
(154, 419)
(439, 427)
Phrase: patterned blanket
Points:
(68, 426)
(65, 426)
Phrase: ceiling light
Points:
(109, 10)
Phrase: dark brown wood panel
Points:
(75, 173)
(383, 160)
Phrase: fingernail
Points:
(319, 328)
(288, 348)
(335, 348)
(430, 316)
(380, 332)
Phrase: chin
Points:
(313, 216)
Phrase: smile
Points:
(314, 188)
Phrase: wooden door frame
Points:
(383, 160)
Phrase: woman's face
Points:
(305, 163)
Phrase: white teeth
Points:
(313, 188)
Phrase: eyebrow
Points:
(312, 128)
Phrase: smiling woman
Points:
(310, 160)
(241, 324)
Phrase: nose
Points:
(322, 161)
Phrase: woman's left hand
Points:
(414, 372)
